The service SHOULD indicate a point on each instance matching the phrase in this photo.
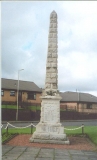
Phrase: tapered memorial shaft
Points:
(51, 81)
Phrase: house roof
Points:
(31, 86)
(77, 97)
(23, 85)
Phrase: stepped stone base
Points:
(49, 133)
(49, 129)
(50, 141)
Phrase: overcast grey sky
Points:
(24, 36)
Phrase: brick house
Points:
(29, 93)
(81, 102)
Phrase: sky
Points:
(24, 42)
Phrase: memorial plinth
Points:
(49, 129)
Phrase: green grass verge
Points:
(33, 108)
(7, 136)
(13, 131)
(10, 106)
(19, 131)
(90, 131)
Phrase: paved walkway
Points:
(32, 153)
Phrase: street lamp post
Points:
(78, 93)
(18, 94)
(78, 99)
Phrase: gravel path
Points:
(77, 143)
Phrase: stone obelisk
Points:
(49, 129)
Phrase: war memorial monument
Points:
(49, 129)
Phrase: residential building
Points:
(81, 102)
(29, 94)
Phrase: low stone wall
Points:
(27, 115)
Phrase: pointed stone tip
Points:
(53, 12)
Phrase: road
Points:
(65, 123)
(79, 123)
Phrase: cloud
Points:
(25, 27)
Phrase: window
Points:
(12, 93)
(31, 95)
(2, 92)
(89, 106)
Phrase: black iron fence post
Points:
(82, 128)
(7, 130)
(31, 128)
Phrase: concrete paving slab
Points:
(9, 158)
(62, 154)
(34, 153)
(30, 153)
(18, 149)
(28, 156)
(47, 150)
(66, 158)
(6, 158)
(89, 153)
(32, 149)
(22, 158)
(47, 153)
(61, 150)
(4, 151)
(92, 156)
(13, 154)
(78, 152)
(44, 158)
(6, 148)
(62, 157)
(79, 158)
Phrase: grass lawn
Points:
(33, 108)
(90, 131)
(9, 106)
(19, 131)
(6, 136)
(12, 131)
